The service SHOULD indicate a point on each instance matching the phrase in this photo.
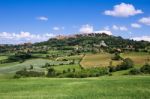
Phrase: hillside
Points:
(93, 39)
(82, 43)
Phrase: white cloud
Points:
(145, 38)
(56, 28)
(115, 27)
(86, 29)
(145, 20)
(123, 10)
(121, 28)
(16, 38)
(90, 29)
(42, 18)
(135, 25)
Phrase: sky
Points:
(38, 20)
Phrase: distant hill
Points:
(94, 42)
(89, 40)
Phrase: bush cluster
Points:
(26, 73)
(93, 72)
(117, 57)
(65, 62)
(145, 69)
(126, 64)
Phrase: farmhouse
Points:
(103, 44)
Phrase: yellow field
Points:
(138, 58)
(97, 60)
(104, 59)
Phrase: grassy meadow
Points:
(9, 69)
(117, 86)
(122, 87)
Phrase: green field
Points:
(9, 69)
(3, 57)
(124, 87)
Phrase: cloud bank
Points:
(145, 38)
(135, 25)
(145, 20)
(121, 28)
(42, 18)
(90, 29)
(123, 10)
(22, 37)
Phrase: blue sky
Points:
(37, 20)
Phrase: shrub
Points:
(126, 64)
(93, 72)
(64, 71)
(47, 65)
(17, 76)
(31, 66)
(145, 69)
(112, 68)
(68, 70)
(135, 71)
(25, 73)
(20, 56)
(117, 57)
(51, 72)
(64, 60)
(74, 70)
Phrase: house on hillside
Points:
(129, 48)
(100, 47)
(103, 44)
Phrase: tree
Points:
(31, 66)
(134, 71)
(68, 70)
(51, 72)
(117, 57)
(64, 71)
(145, 69)
(126, 64)
(47, 65)
(74, 70)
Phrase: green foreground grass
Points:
(121, 87)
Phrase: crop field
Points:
(88, 61)
(3, 57)
(8, 69)
(75, 57)
(103, 59)
(97, 60)
(138, 58)
(11, 68)
(124, 87)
